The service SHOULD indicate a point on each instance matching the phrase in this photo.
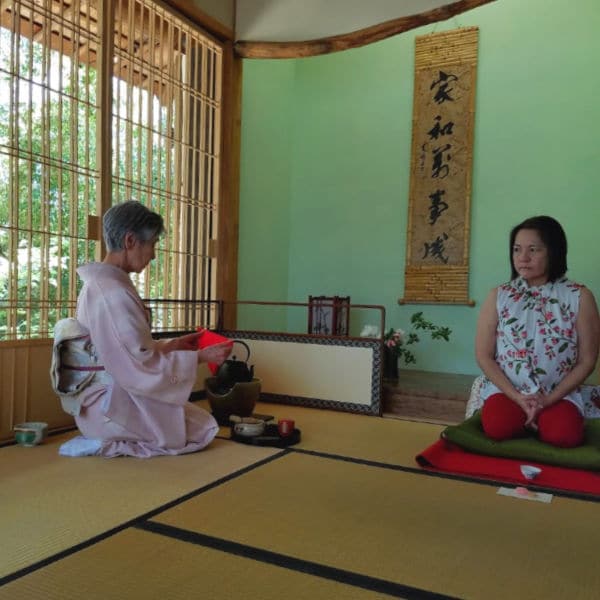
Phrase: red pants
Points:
(560, 424)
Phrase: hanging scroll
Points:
(437, 254)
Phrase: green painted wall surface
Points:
(348, 133)
(265, 175)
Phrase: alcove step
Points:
(427, 396)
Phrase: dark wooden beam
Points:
(229, 204)
(199, 17)
(355, 39)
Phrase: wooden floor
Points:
(427, 396)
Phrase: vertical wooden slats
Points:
(28, 199)
(45, 226)
(48, 152)
(13, 211)
(108, 100)
(75, 209)
(168, 74)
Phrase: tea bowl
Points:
(247, 426)
(530, 472)
(30, 433)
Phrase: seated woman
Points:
(138, 406)
(537, 341)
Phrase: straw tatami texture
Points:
(50, 502)
(135, 564)
(362, 437)
(345, 514)
(452, 537)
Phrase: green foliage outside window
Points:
(48, 182)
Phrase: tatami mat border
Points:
(419, 471)
(366, 582)
(133, 522)
(440, 474)
(369, 583)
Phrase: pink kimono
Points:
(142, 409)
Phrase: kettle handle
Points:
(245, 346)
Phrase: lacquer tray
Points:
(270, 437)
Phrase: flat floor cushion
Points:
(470, 436)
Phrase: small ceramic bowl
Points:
(530, 472)
(31, 433)
(248, 426)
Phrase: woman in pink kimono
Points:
(537, 341)
(138, 406)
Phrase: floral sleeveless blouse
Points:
(536, 339)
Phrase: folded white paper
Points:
(525, 494)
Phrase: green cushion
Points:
(470, 436)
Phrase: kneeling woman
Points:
(537, 341)
(139, 406)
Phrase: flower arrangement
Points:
(396, 340)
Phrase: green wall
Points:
(264, 231)
(326, 154)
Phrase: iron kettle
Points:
(234, 371)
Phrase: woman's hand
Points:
(183, 342)
(532, 405)
(215, 354)
(189, 341)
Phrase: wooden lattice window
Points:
(165, 152)
(166, 132)
(48, 169)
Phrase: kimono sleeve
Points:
(123, 340)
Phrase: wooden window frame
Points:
(223, 246)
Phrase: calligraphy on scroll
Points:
(440, 186)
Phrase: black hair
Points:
(554, 238)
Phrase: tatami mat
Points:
(135, 564)
(321, 520)
(49, 502)
(450, 537)
(372, 438)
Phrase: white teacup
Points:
(248, 426)
(530, 472)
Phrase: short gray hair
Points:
(130, 216)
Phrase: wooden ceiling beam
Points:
(356, 39)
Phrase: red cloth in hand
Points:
(210, 338)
